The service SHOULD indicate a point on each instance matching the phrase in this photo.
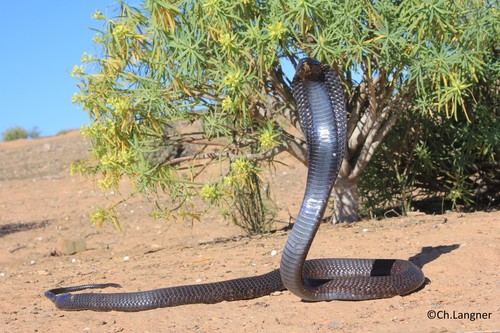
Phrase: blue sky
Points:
(41, 42)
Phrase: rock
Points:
(71, 246)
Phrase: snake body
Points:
(322, 115)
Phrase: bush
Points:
(252, 207)
(18, 132)
(34, 133)
(434, 164)
(64, 131)
(14, 133)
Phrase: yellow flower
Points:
(76, 99)
(209, 193)
(110, 181)
(119, 105)
(267, 139)
(233, 80)
(210, 5)
(120, 31)
(77, 71)
(228, 181)
(97, 39)
(241, 168)
(97, 15)
(277, 30)
(226, 40)
(227, 104)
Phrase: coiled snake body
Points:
(322, 116)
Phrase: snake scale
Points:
(321, 106)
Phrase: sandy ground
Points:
(40, 203)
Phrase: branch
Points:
(297, 148)
(285, 102)
(251, 157)
(196, 138)
(202, 93)
(378, 132)
(356, 105)
(361, 129)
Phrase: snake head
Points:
(310, 69)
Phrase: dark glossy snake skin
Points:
(322, 114)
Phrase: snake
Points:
(323, 119)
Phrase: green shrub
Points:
(14, 133)
(18, 132)
(219, 64)
(252, 207)
(64, 131)
(34, 133)
(434, 164)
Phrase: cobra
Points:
(322, 114)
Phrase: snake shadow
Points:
(429, 254)
(12, 228)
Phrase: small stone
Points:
(262, 304)
(70, 246)
(46, 147)
(335, 325)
